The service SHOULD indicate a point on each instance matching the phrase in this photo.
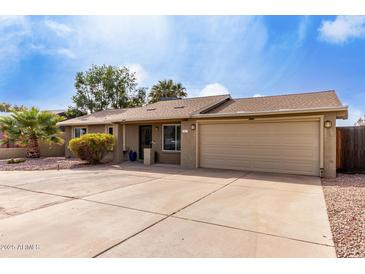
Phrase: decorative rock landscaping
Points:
(345, 199)
(43, 164)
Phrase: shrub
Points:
(92, 147)
(15, 160)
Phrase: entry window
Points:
(171, 137)
(110, 130)
(79, 131)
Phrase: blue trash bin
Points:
(132, 156)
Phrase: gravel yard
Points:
(345, 199)
(44, 164)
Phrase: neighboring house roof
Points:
(162, 110)
(56, 111)
(212, 106)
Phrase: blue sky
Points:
(246, 56)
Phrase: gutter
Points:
(83, 123)
(260, 113)
(147, 119)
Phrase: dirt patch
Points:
(44, 164)
(345, 199)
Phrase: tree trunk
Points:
(33, 148)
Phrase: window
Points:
(110, 130)
(79, 131)
(171, 138)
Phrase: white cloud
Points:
(302, 30)
(13, 30)
(213, 89)
(89, 39)
(21, 35)
(117, 39)
(342, 29)
(257, 95)
(230, 40)
(60, 29)
(65, 52)
(141, 73)
(353, 116)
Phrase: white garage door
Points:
(283, 147)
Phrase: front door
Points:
(145, 139)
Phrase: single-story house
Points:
(293, 133)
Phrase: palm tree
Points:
(28, 127)
(166, 88)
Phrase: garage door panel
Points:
(261, 140)
(263, 152)
(286, 147)
(264, 158)
(306, 168)
(262, 149)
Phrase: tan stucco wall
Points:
(131, 139)
(47, 150)
(188, 144)
(132, 143)
(329, 143)
(7, 153)
(96, 129)
(67, 138)
(52, 150)
(118, 147)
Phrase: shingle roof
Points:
(211, 106)
(162, 110)
(299, 101)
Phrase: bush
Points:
(92, 147)
(15, 160)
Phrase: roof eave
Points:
(85, 123)
(89, 123)
(149, 119)
(341, 112)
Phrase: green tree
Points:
(5, 107)
(28, 127)
(360, 122)
(166, 88)
(73, 112)
(104, 87)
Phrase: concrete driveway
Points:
(161, 211)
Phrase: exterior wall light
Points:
(156, 128)
(193, 127)
(328, 124)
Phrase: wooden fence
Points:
(350, 149)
